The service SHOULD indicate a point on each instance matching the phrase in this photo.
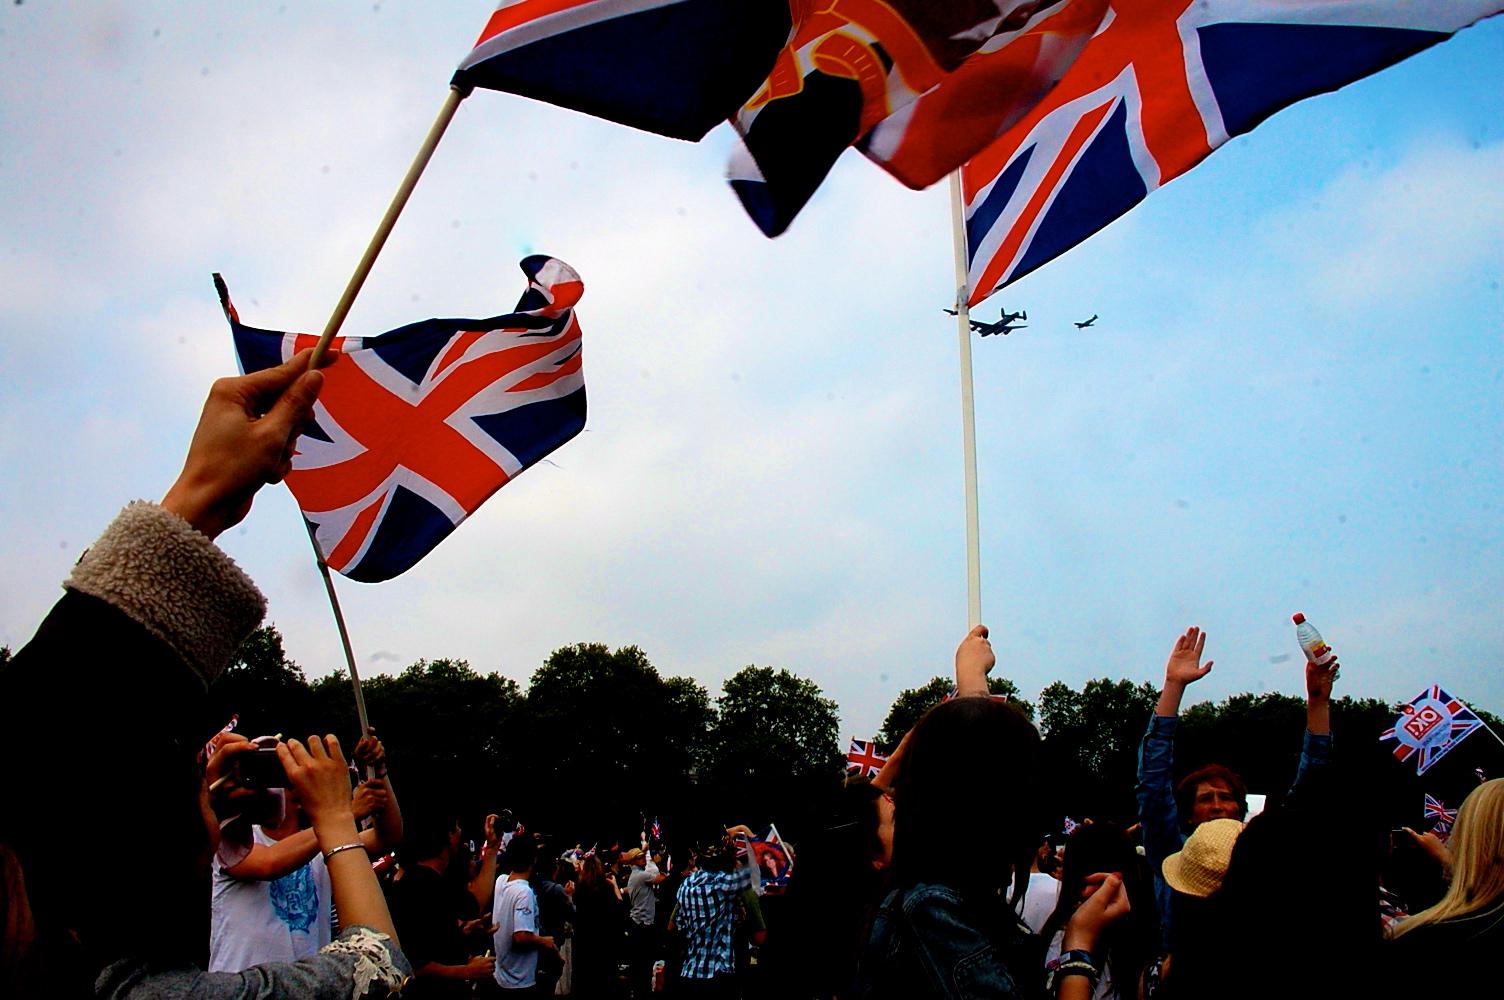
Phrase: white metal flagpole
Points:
(968, 408)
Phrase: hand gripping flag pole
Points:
(337, 319)
(968, 408)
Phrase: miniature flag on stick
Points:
(417, 427)
(1430, 726)
(863, 760)
(1435, 809)
(772, 862)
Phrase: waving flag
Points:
(772, 862)
(1161, 85)
(1444, 818)
(675, 67)
(414, 429)
(853, 68)
(1430, 726)
(863, 759)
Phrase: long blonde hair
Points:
(1477, 860)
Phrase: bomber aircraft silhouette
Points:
(1083, 326)
(1004, 325)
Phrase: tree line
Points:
(600, 743)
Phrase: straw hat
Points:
(1198, 867)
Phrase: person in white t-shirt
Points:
(273, 904)
(514, 913)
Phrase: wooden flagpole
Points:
(384, 229)
(341, 310)
(968, 407)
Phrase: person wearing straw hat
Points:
(1198, 867)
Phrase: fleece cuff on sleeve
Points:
(167, 575)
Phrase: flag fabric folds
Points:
(918, 86)
(415, 428)
(771, 861)
(1430, 726)
(1159, 86)
(863, 759)
(675, 67)
(1434, 809)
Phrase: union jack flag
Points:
(675, 67)
(417, 427)
(1431, 725)
(852, 69)
(863, 760)
(1434, 809)
(1160, 85)
(772, 862)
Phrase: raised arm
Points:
(483, 885)
(1316, 746)
(1183, 669)
(386, 834)
(320, 776)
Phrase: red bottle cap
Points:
(1297, 618)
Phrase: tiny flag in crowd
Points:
(1430, 726)
(863, 760)
(1444, 818)
(1160, 85)
(212, 747)
(414, 429)
(1070, 826)
(657, 829)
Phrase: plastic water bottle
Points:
(1316, 649)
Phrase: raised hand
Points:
(1319, 680)
(369, 799)
(245, 439)
(1185, 666)
(321, 778)
(974, 658)
(1106, 901)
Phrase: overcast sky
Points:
(1292, 400)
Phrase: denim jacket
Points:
(1156, 799)
(927, 941)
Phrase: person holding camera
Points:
(150, 616)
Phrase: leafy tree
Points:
(776, 748)
(265, 688)
(442, 723)
(911, 703)
(1091, 744)
(609, 742)
(4, 655)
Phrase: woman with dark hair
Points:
(598, 916)
(1131, 943)
(967, 789)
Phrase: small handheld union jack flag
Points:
(1435, 809)
(863, 759)
(1431, 725)
(417, 427)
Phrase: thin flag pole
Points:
(968, 407)
(341, 310)
(388, 221)
(344, 633)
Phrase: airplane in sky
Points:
(1083, 326)
(1004, 325)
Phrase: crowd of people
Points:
(158, 865)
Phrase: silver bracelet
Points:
(342, 847)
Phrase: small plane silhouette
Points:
(1004, 325)
(1083, 326)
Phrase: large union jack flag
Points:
(414, 429)
(675, 67)
(1160, 85)
(1430, 726)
